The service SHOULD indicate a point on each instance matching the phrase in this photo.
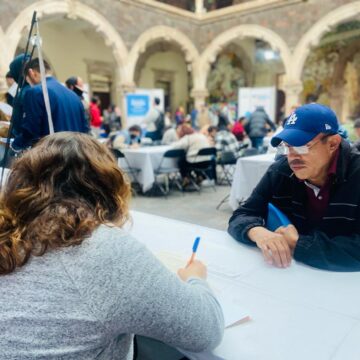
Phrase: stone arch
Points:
(73, 9)
(163, 33)
(313, 36)
(253, 31)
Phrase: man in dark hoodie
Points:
(256, 128)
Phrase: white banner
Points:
(250, 98)
(139, 103)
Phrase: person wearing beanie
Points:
(316, 185)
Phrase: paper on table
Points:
(233, 313)
(230, 268)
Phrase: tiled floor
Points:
(191, 207)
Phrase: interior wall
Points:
(167, 61)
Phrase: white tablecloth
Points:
(297, 313)
(147, 159)
(249, 170)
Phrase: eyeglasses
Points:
(285, 149)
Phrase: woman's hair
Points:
(183, 130)
(57, 193)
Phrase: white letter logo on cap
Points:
(292, 119)
(327, 127)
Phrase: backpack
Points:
(160, 122)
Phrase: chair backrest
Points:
(174, 153)
(250, 152)
(227, 158)
(117, 153)
(207, 151)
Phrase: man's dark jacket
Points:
(67, 113)
(256, 127)
(333, 243)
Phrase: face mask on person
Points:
(78, 92)
(135, 138)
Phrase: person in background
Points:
(225, 141)
(76, 84)
(74, 283)
(67, 111)
(16, 73)
(112, 118)
(170, 136)
(168, 119)
(12, 87)
(152, 120)
(258, 126)
(126, 138)
(238, 129)
(192, 142)
(316, 185)
(194, 118)
(179, 115)
(95, 114)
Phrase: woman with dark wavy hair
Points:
(74, 285)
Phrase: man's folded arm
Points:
(252, 213)
(339, 253)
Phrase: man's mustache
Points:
(296, 162)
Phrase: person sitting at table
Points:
(76, 285)
(316, 185)
(192, 142)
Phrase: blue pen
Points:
(194, 249)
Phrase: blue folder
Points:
(276, 218)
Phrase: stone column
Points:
(122, 90)
(199, 96)
(199, 7)
(292, 91)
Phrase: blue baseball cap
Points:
(305, 123)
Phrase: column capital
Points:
(293, 87)
(127, 88)
(196, 93)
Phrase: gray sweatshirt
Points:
(85, 302)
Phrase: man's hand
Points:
(290, 234)
(274, 246)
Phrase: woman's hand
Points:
(194, 269)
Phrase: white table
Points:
(248, 172)
(147, 159)
(297, 313)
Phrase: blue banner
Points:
(137, 104)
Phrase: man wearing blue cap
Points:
(316, 185)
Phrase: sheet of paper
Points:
(231, 267)
(234, 314)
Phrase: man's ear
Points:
(334, 142)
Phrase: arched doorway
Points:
(82, 29)
(246, 61)
(163, 57)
